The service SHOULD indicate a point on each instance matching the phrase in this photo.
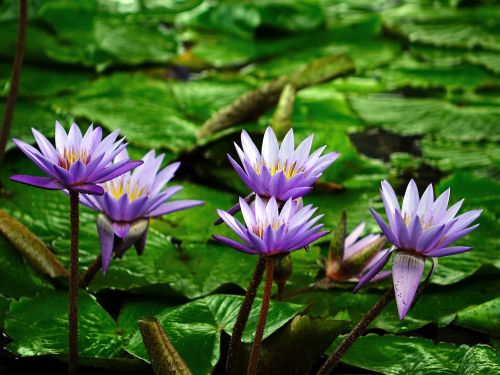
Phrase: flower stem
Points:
(242, 319)
(259, 332)
(16, 77)
(73, 284)
(357, 331)
(90, 273)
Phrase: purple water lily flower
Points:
(358, 257)
(422, 228)
(269, 230)
(282, 172)
(76, 163)
(129, 201)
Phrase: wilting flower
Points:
(421, 228)
(349, 257)
(282, 172)
(129, 201)
(269, 230)
(77, 163)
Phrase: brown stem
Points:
(357, 331)
(242, 319)
(15, 78)
(91, 271)
(259, 332)
(73, 284)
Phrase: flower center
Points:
(258, 230)
(118, 187)
(71, 156)
(288, 170)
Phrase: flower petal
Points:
(410, 201)
(407, 271)
(42, 182)
(88, 189)
(448, 251)
(234, 244)
(106, 239)
(370, 274)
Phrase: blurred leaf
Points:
(37, 114)
(42, 82)
(428, 116)
(480, 359)
(243, 19)
(407, 72)
(143, 108)
(323, 112)
(359, 39)
(391, 354)
(484, 317)
(448, 27)
(198, 325)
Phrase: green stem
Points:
(73, 284)
(259, 332)
(15, 78)
(242, 319)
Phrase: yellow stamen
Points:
(118, 187)
(71, 156)
(288, 170)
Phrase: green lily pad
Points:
(448, 27)
(195, 271)
(198, 325)
(391, 354)
(39, 326)
(408, 72)
(484, 317)
(37, 114)
(428, 116)
(142, 108)
(437, 304)
(480, 359)
(18, 278)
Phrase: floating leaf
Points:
(142, 108)
(17, 278)
(39, 326)
(480, 359)
(484, 317)
(428, 116)
(198, 325)
(403, 355)
(448, 27)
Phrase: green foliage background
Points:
(422, 102)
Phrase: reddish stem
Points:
(242, 319)
(15, 78)
(73, 284)
(259, 332)
(357, 331)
